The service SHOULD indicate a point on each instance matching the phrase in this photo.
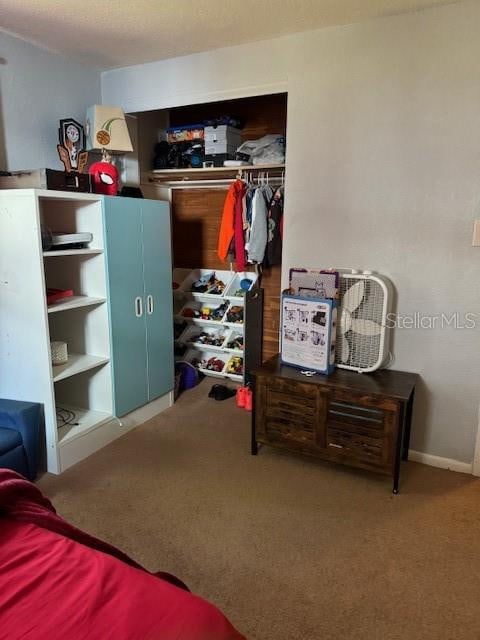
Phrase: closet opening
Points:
(197, 199)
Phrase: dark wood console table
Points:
(358, 419)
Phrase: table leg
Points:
(407, 426)
(399, 448)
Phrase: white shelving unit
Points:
(84, 384)
(223, 330)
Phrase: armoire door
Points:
(123, 235)
(157, 263)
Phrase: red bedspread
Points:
(55, 587)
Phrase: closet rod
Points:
(185, 184)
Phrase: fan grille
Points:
(364, 350)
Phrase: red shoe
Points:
(241, 397)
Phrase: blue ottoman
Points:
(19, 436)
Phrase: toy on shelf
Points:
(235, 314)
(205, 312)
(54, 295)
(235, 366)
(236, 342)
(210, 284)
(214, 364)
(211, 339)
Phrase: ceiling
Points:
(115, 33)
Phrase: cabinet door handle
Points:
(138, 307)
(149, 305)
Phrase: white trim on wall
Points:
(441, 463)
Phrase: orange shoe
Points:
(241, 397)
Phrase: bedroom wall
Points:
(383, 172)
(37, 89)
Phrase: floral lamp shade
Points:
(107, 129)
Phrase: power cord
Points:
(66, 417)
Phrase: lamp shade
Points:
(107, 129)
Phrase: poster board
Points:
(308, 331)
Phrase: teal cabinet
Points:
(157, 258)
(139, 268)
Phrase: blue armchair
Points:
(19, 436)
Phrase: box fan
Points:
(362, 334)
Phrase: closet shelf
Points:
(177, 177)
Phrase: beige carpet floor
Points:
(289, 548)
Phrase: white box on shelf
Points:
(239, 284)
(235, 315)
(234, 367)
(200, 358)
(233, 341)
(210, 307)
(178, 277)
(196, 275)
(221, 146)
(194, 334)
(223, 132)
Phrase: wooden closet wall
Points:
(196, 213)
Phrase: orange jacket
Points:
(227, 224)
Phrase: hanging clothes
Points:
(273, 252)
(251, 225)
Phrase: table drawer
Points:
(294, 407)
(361, 427)
(285, 429)
(292, 388)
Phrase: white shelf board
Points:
(72, 252)
(212, 374)
(234, 377)
(87, 421)
(77, 362)
(207, 170)
(204, 347)
(73, 302)
(233, 352)
(199, 321)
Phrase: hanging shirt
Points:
(238, 226)
(273, 253)
(227, 224)
(248, 215)
(258, 231)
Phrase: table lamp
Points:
(106, 132)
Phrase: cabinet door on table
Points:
(291, 414)
(157, 258)
(362, 428)
(123, 233)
